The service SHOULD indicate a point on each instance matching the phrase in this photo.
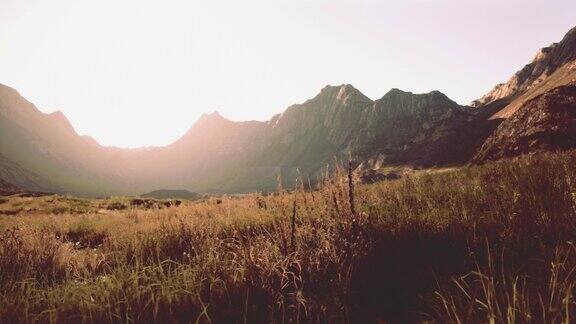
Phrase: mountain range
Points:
(533, 111)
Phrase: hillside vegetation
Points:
(490, 243)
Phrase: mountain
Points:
(341, 121)
(528, 113)
(536, 105)
(552, 66)
(219, 155)
(44, 151)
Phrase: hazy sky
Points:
(134, 73)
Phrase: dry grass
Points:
(480, 244)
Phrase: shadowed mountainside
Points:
(536, 103)
(7, 188)
(545, 123)
(219, 155)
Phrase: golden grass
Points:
(479, 244)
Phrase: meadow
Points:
(490, 243)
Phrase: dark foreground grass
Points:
(492, 243)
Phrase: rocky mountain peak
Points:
(213, 118)
(395, 92)
(215, 115)
(546, 61)
(61, 121)
(341, 92)
(348, 90)
(208, 122)
(397, 97)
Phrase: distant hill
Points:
(42, 152)
(169, 194)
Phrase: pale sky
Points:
(135, 73)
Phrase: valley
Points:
(341, 209)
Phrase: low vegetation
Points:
(491, 243)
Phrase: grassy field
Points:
(492, 243)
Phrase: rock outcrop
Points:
(545, 123)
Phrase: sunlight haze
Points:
(138, 73)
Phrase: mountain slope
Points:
(224, 156)
(547, 122)
(536, 105)
(7, 189)
(25, 179)
(552, 66)
(47, 145)
(341, 122)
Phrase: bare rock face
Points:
(341, 120)
(403, 125)
(547, 122)
(546, 62)
(535, 107)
